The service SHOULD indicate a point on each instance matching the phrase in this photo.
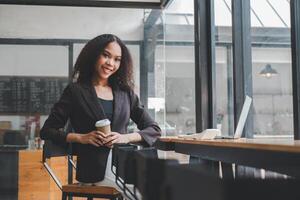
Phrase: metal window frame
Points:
(295, 45)
(242, 61)
(230, 106)
(204, 64)
(143, 76)
(91, 3)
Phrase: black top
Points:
(80, 105)
(107, 107)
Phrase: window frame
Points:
(295, 45)
(241, 44)
(91, 3)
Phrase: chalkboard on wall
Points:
(23, 95)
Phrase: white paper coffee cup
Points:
(103, 126)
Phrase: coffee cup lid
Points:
(103, 122)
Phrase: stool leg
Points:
(90, 198)
(64, 196)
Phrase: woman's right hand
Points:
(95, 138)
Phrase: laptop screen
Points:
(243, 117)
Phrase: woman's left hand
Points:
(115, 137)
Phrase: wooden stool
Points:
(90, 192)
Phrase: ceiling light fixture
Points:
(268, 71)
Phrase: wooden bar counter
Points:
(279, 155)
(23, 176)
(34, 181)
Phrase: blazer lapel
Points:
(90, 97)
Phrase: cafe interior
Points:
(195, 64)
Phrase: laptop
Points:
(242, 120)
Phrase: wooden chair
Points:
(75, 189)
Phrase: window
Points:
(271, 68)
(223, 67)
(179, 67)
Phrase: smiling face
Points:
(109, 61)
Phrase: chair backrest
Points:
(150, 172)
(123, 161)
(190, 181)
(126, 164)
(54, 150)
(115, 152)
(51, 149)
(196, 180)
(123, 154)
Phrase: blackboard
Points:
(25, 95)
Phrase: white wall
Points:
(33, 60)
(18, 21)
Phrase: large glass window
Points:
(223, 67)
(180, 67)
(169, 58)
(271, 68)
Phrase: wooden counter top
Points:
(279, 155)
(284, 145)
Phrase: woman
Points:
(103, 89)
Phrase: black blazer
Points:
(79, 104)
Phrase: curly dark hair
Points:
(84, 68)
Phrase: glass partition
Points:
(32, 79)
(179, 68)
